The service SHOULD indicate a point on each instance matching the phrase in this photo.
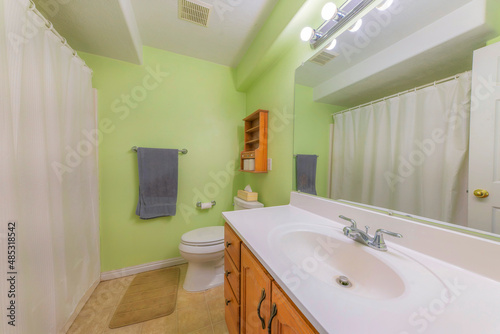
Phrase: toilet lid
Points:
(205, 236)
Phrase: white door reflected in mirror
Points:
(484, 156)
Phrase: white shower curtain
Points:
(48, 174)
(408, 153)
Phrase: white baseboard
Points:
(79, 307)
(141, 268)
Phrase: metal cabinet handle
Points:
(274, 311)
(262, 297)
(228, 244)
(227, 273)
(227, 302)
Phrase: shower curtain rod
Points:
(50, 26)
(404, 92)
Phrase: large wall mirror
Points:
(396, 119)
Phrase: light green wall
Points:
(194, 106)
(273, 89)
(274, 92)
(312, 133)
(493, 41)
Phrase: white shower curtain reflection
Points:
(46, 101)
(408, 153)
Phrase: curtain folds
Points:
(48, 172)
(408, 153)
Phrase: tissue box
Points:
(248, 196)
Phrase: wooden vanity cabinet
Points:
(232, 261)
(249, 306)
(288, 320)
(255, 295)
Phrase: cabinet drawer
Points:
(232, 243)
(232, 311)
(248, 155)
(233, 275)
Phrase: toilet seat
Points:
(190, 249)
(204, 237)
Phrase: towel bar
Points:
(295, 155)
(183, 151)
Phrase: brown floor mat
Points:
(151, 295)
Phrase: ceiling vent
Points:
(195, 11)
(323, 57)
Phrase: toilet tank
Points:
(240, 204)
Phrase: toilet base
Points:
(204, 276)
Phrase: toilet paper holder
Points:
(198, 204)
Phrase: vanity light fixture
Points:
(356, 26)
(332, 45)
(307, 34)
(336, 18)
(385, 5)
(329, 11)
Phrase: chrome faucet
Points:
(377, 242)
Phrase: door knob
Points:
(481, 193)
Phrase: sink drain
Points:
(343, 282)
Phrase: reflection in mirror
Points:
(400, 113)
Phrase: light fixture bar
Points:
(341, 22)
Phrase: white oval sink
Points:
(324, 253)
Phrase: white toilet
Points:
(203, 248)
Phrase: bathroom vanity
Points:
(252, 296)
(291, 269)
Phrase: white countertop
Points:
(467, 301)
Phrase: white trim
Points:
(79, 307)
(141, 268)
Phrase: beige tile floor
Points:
(195, 313)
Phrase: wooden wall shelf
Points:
(254, 157)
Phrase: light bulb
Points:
(385, 5)
(329, 11)
(332, 45)
(356, 26)
(307, 33)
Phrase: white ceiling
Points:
(94, 26)
(119, 28)
(428, 40)
(232, 27)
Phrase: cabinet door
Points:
(255, 295)
(287, 320)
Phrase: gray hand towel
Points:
(158, 172)
(306, 173)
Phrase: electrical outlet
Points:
(269, 164)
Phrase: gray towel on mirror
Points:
(158, 173)
(306, 173)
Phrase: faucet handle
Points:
(379, 242)
(392, 234)
(367, 228)
(352, 221)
